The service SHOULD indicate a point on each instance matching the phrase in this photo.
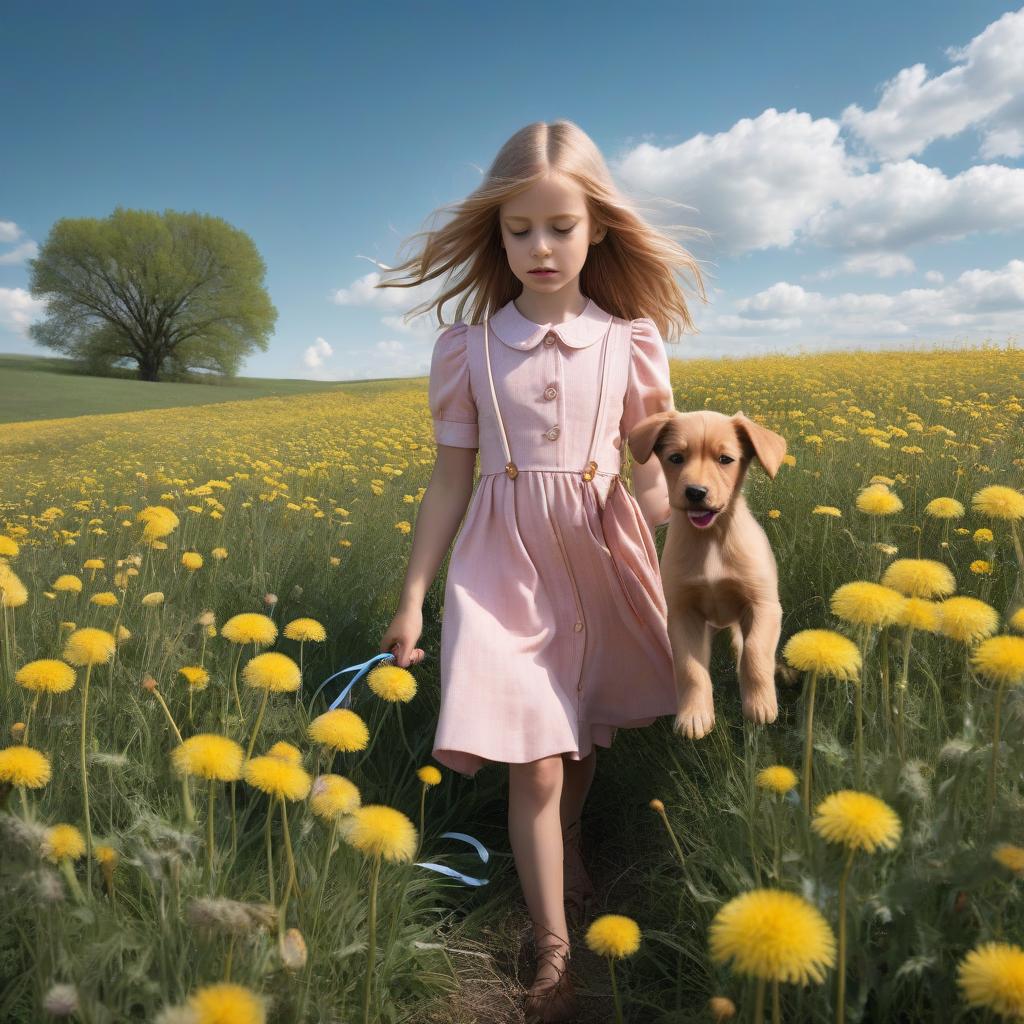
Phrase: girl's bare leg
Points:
(535, 835)
(577, 777)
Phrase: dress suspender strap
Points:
(591, 467)
(510, 466)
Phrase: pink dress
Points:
(554, 625)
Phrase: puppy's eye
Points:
(677, 457)
(725, 459)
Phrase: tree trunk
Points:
(149, 368)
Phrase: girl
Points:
(554, 631)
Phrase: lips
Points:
(702, 518)
(544, 272)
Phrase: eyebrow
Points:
(556, 216)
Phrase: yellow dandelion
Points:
(774, 936)
(824, 652)
(89, 646)
(226, 1003)
(613, 935)
(967, 619)
(93, 563)
(878, 500)
(778, 778)
(192, 560)
(998, 502)
(105, 599)
(1016, 620)
(250, 628)
(209, 756)
(392, 683)
(377, 830)
(1000, 659)
(340, 729)
(919, 577)
(195, 675)
(920, 614)
(8, 547)
(944, 508)
(159, 522)
(864, 603)
(67, 584)
(13, 593)
(826, 510)
(278, 777)
(272, 671)
(219, 553)
(983, 535)
(286, 751)
(992, 976)
(1010, 856)
(429, 775)
(305, 629)
(153, 599)
(24, 766)
(859, 821)
(107, 856)
(63, 842)
(980, 567)
(333, 795)
(46, 675)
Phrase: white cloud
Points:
(18, 309)
(25, 251)
(978, 304)
(317, 352)
(10, 232)
(983, 90)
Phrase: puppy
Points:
(717, 566)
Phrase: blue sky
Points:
(858, 166)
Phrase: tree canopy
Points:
(169, 292)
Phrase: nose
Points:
(695, 493)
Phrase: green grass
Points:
(42, 388)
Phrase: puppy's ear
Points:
(644, 435)
(768, 447)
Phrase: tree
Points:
(176, 290)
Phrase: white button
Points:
(549, 339)
(552, 433)
(550, 391)
(578, 627)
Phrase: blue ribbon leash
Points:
(360, 671)
(343, 698)
(451, 872)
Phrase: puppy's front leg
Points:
(762, 626)
(690, 637)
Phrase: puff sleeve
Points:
(450, 397)
(649, 389)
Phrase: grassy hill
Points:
(42, 387)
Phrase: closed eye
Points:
(561, 231)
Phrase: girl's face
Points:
(548, 225)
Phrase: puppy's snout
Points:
(696, 493)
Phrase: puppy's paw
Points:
(761, 705)
(696, 715)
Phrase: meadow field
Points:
(189, 834)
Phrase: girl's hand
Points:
(400, 637)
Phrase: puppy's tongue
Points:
(701, 519)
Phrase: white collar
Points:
(516, 331)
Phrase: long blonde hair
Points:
(629, 273)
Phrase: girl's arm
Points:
(651, 492)
(440, 514)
